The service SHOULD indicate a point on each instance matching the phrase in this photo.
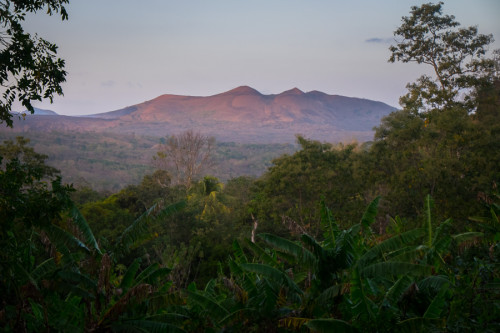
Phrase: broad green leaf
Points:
(330, 325)
(303, 255)
(63, 239)
(238, 252)
(261, 253)
(273, 274)
(208, 304)
(43, 269)
(463, 237)
(78, 279)
(84, 227)
(433, 282)
(128, 277)
(428, 218)
(150, 326)
(392, 244)
(327, 295)
(394, 293)
(437, 305)
(370, 213)
(362, 304)
(392, 268)
(417, 325)
(139, 227)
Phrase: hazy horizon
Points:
(120, 53)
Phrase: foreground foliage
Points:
(56, 275)
(269, 255)
(29, 67)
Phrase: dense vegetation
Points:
(109, 161)
(396, 235)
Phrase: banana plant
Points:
(345, 268)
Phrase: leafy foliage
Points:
(457, 56)
(311, 267)
(29, 67)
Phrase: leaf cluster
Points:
(29, 67)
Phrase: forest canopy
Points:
(400, 234)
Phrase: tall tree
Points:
(433, 145)
(29, 67)
(185, 156)
(457, 56)
(289, 193)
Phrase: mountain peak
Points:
(243, 90)
(294, 91)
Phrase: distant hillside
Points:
(111, 161)
(240, 115)
(42, 112)
(38, 112)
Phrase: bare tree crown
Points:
(186, 156)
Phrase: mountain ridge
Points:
(242, 114)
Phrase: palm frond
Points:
(84, 227)
(294, 323)
(78, 278)
(393, 268)
(312, 243)
(435, 282)
(136, 230)
(236, 315)
(370, 213)
(417, 325)
(442, 228)
(466, 236)
(171, 209)
(238, 252)
(298, 277)
(150, 326)
(63, 239)
(362, 305)
(151, 272)
(273, 274)
(139, 227)
(208, 304)
(327, 295)
(303, 255)
(329, 325)
(437, 305)
(406, 254)
(261, 253)
(394, 293)
(428, 203)
(128, 277)
(329, 225)
(168, 317)
(494, 216)
(43, 269)
(392, 244)
(235, 268)
(210, 288)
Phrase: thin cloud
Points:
(134, 85)
(380, 40)
(109, 83)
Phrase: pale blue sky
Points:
(123, 52)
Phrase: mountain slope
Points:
(242, 115)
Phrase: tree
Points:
(53, 274)
(29, 67)
(185, 156)
(288, 194)
(434, 145)
(456, 55)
